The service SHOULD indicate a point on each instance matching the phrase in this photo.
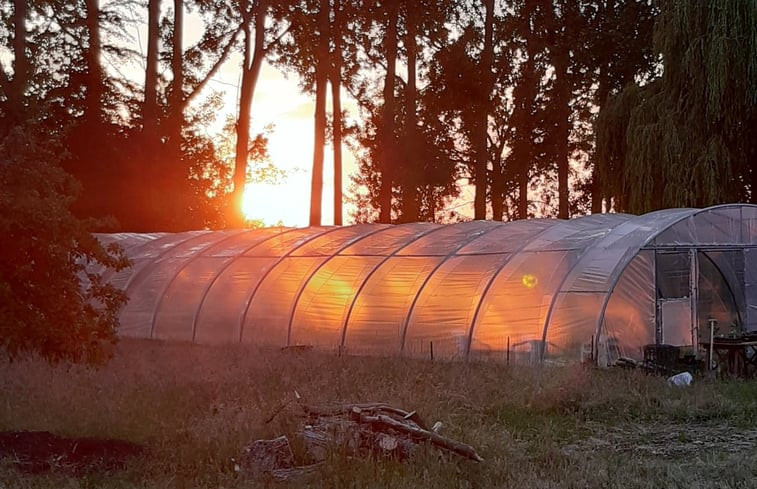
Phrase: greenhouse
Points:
(595, 287)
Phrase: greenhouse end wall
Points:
(594, 287)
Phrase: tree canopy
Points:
(686, 138)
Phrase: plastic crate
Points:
(661, 358)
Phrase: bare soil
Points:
(40, 452)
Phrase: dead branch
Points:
(382, 421)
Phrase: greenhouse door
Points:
(676, 283)
(750, 289)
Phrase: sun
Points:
(248, 205)
(284, 204)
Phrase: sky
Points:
(278, 101)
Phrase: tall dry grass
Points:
(194, 408)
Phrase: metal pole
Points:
(431, 343)
(694, 298)
(508, 351)
(712, 340)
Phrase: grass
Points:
(195, 408)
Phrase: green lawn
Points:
(195, 408)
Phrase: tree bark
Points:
(150, 103)
(562, 153)
(253, 61)
(597, 192)
(387, 150)
(175, 119)
(93, 105)
(177, 66)
(482, 157)
(412, 165)
(20, 80)
(319, 136)
(336, 107)
(498, 186)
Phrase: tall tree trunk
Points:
(562, 154)
(176, 92)
(387, 150)
(253, 61)
(319, 136)
(20, 80)
(412, 166)
(523, 179)
(598, 193)
(336, 108)
(498, 186)
(93, 105)
(150, 103)
(523, 151)
(482, 157)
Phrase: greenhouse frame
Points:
(595, 287)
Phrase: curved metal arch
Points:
(165, 237)
(628, 257)
(488, 286)
(248, 301)
(223, 269)
(374, 270)
(182, 268)
(305, 283)
(444, 260)
(553, 301)
(141, 271)
(194, 257)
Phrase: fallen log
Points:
(382, 422)
(328, 411)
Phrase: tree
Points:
(618, 49)
(686, 138)
(335, 80)
(319, 127)
(50, 301)
(482, 131)
(387, 133)
(253, 26)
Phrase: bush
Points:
(49, 302)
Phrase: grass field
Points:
(195, 408)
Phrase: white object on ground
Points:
(681, 380)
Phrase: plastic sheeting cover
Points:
(470, 288)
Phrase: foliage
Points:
(687, 138)
(52, 299)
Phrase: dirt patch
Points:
(669, 440)
(35, 452)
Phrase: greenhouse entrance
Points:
(699, 288)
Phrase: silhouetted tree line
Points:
(503, 95)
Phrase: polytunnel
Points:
(598, 287)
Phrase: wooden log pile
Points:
(371, 430)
